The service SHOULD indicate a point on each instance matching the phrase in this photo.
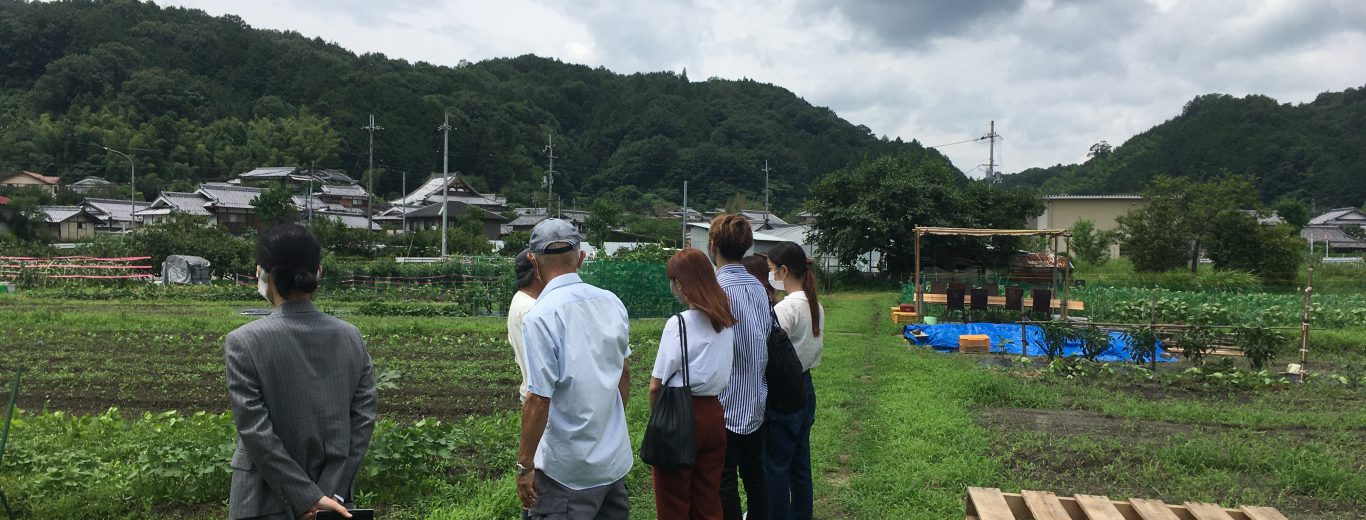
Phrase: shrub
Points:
(1259, 344)
(1143, 341)
(1195, 342)
(1055, 337)
(1094, 341)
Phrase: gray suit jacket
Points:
(303, 398)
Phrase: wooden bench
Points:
(992, 504)
(899, 316)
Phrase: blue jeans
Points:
(788, 462)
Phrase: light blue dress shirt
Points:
(577, 341)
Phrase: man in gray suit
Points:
(302, 392)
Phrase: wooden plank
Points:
(1098, 508)
(1262, 513)
(1000, 301)
(1207, 511)
(988, 504)
(1044, 505)
(1152, 509)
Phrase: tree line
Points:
(1315, 152)
(193, 98)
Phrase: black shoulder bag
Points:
(786, 390)
(669, 442)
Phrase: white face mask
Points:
(776, 283)
(261, 285)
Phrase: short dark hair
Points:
(731, 236)
(291, 255)
(525, 271)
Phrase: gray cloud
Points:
(901, 23)
(1055, 75)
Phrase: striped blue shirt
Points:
(746, 397)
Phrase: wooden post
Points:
(1304, 326)
(1067, 276)
(1152, 324)
(919, 288)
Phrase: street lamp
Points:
(132, 184)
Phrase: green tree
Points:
(26, 221)
(194, 235)
(275, 206)
(515, 242)
(1182, 213)
(604, 216)
(1090, 245)
(1239, 242)
(1150, 238)
(895, 194)
(1293, 211)
(466, 236)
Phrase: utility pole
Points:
(992, 136)
(684, 243)
(766, 210)
(403, 208)
(445, 129)
(370, 175)
(550, 174)
(308, 199)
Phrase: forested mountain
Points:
(1314, 151)
(193, 97)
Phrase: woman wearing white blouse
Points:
(695, 493)
(788, 464)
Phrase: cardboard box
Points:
(974, 344)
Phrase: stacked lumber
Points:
(992, 504)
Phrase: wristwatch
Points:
(522, 471)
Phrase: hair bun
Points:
(306, 281)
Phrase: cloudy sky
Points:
(1055, 75)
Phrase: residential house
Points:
(350, 219)
(454, 186)
(429, 217)
(527, 218)
(1064, 211)
(88, 184)
(230, 205)
(1342, 229)
(25, 178)
(344, 196)
(69, 223)
(115, 214)
(295, 175)
(170, 204)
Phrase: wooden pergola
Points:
(1053, 234)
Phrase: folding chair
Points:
(4, 434)
(1043, 303)
(955, 303)
(938, 287)
(1015, 298)
(979, 300)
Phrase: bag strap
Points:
(683, 341)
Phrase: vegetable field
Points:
(124, 407)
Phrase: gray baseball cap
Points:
(553, 231)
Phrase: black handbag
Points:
(669, 442)
(786, 389)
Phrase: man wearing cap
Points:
(529, 287)
(574, 452)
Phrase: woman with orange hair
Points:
(695, 493)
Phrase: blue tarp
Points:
(1005, 338)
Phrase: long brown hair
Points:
(697, 284)
(791, 256)
(757, 265)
